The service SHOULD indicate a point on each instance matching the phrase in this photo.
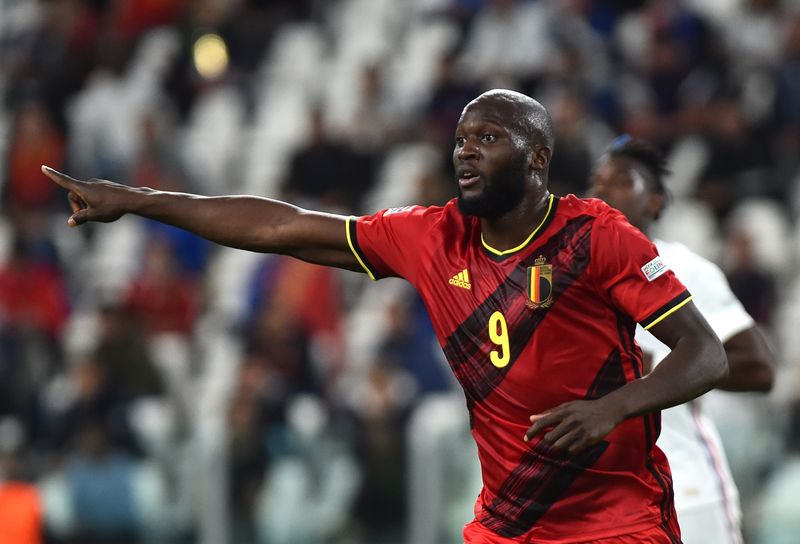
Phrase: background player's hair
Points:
(644, 154)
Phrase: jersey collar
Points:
(496, 254)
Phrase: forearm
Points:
(751, 362)
(691, 369)
(243, 222)
(749, 376)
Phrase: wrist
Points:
(619, 405)
(140, 200)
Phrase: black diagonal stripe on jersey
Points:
(673, 538)
(542, 477)
(626, 328)
(568, 251)
(610, 377)
(470, 406)
(650, 440)
(664, 481)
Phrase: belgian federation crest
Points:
(540, 284)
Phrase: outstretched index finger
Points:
(62, 179)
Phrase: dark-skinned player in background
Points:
(630, 177)
(534, 300)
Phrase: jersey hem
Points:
(589, 537)
(352, 241)
(666, 310)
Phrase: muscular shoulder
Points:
(607, 222)
(593, 207)
(420, 226)
(447, 218)
(427, 214)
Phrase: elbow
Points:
(723, 372)
(763, 379)
(721, 369)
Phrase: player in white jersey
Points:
(629, 177)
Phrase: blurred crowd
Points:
(157, 388)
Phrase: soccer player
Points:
(630, 177)
(534, 300)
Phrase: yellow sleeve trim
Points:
(527, 240)
(353, 249)
(669, 312)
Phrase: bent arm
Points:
(243, 222)
(751, 362)
(696, 364)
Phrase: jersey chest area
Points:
(498, 320)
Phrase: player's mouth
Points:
(468, 177)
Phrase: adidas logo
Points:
(461, 280)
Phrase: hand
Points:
(93, 200)
(575, 425)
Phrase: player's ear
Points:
(655, 205)
(539, 158)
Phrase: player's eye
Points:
(460, 141)
(488, 138)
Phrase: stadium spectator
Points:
(100, 479)
(161, 297)
(331, 173)
(409, 345)
(35, 139)
(122, 350)
(751, 284)
(34, 308)
(20, 504)
(310, 486)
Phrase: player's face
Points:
(619, 184)
(490, 166)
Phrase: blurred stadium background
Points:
(155, 388)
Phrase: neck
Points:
(511, 229)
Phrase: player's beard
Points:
(500, 194)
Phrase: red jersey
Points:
(527, 329)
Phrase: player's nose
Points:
(468, 151)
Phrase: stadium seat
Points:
(444, 474)
(211, 140)
(691, 223)
(778, 519)
(116, 256)
(769, 229)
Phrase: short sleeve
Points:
(627, 267)
(390, 242)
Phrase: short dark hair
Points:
(646, 155)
